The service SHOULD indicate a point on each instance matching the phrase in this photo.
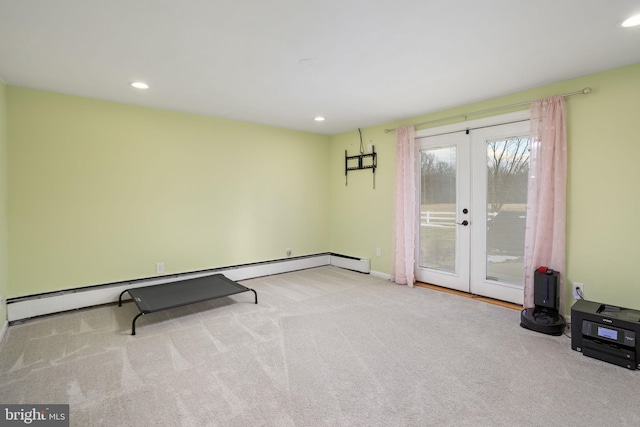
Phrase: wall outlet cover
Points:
(577, 286)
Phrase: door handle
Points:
(465, 223)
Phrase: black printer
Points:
(606, 332)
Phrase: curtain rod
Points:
(584, 91)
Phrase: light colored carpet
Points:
(324, 347)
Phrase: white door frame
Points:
(458, 279)
(479, 283)
(461, 127)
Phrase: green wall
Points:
(361, 216)
(100, 191)
(603, 243)
(4, 256)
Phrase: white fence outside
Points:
(443, 219)
(438, 219)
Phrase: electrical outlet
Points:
(159, 267)
(578, 290)
(378, 252)
(288, 251)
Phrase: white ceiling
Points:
(372, 61)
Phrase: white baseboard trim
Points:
(278, 267)
(362, 265)
(55, 302)
(381, 275)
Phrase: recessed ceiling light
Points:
(319, 119)
(140, 85)
(632, 22)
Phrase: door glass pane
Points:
(507, 174)
(438, 209)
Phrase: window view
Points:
(438, 209)
(507, 175)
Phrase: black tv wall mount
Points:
(359, 162)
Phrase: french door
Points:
(444, 195)
(472, 202)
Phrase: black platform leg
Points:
(255, 293)
(120, 297)
(133, 324)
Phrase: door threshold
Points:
(472, 296)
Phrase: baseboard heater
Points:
(30, 306)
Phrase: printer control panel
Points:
(609, 333)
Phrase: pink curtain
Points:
(546, 206)
(404, 222)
